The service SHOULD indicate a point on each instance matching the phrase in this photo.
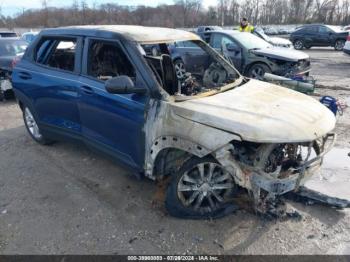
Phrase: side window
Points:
(324, 30)
(107, 60)
(216, 40)
(220, 40)
(57, 53)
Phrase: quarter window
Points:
(107, 60)
(57, 53)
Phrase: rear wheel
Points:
(200, 189)
(257, 71)
(298, 44)
(33, 128)
(339, 45)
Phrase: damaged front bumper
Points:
(253, 178)
(297, 176)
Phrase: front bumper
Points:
(252, 179)
(297, 176)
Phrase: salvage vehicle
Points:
(308, 36)
(347, 46)
(275, 41)
(11, 49)
(208, 135)
(254, 57)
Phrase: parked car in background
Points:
(11, 50)
(347, 46)
(7, 34)
(29, 36)
(254, 57)
(201, 29)
(275, 41)
(347, 28)
(270, 31)
(308, 36)
(205, 135)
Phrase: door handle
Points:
(24, 75)
(87, 90)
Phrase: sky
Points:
(11, 7)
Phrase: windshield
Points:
(12, 47)
(250, 41)
(189, 68)
(261, 33)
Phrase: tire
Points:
(339, 45)
(2, 96)
(32, 127)
(180, 68)
(190, 195)
(257, 71)
(298, 44)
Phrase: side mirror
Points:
(232, 48)
(123, 85)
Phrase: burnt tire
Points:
(298, 44)
(258, 70)
(32, 127)
(339, 45)
(187, 188)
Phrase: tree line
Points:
(185, 13)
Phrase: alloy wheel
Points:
(180, 69)
(339, 45)
(298, 45)
(205, 187)
(258, 73)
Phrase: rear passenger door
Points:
(112, 123)
(51, 82)
(194, 57)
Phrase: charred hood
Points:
(261, 112)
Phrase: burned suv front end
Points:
(270, 170)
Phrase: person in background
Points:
(245, 26)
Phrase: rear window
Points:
(57, 53)
(12, 47)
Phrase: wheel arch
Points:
(176, 149)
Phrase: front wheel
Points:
(339, 45)
(179, 68)
(200, 189)
(33, 128)
(257, 71)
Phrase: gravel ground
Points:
(64, 199)
(330, 68)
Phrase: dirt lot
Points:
(64, 199)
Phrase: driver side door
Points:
(112, 123)
(229, 48)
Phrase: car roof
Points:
(141, 34)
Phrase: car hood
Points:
(261, 112)
(280, 41)
(282, 53)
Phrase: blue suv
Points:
(205, 135)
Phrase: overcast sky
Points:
(11, 7)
